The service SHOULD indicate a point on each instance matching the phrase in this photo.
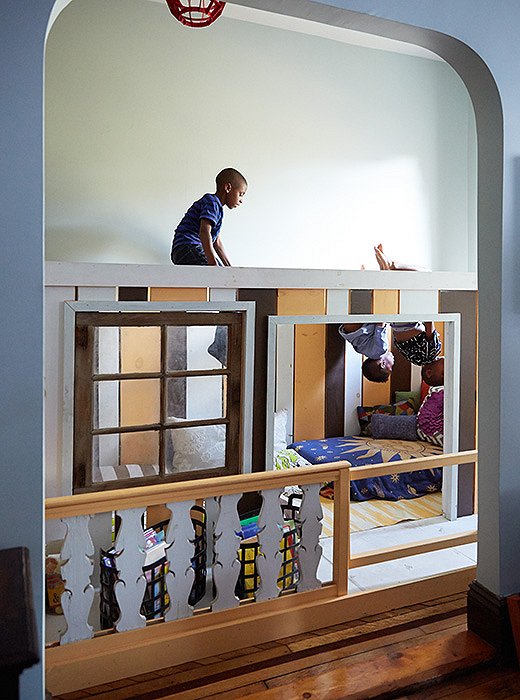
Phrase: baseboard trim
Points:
(489, 618)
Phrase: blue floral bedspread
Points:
(360, 451)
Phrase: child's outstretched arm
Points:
(386, 264)
(221, 252)
(207, 244)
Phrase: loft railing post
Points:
(341, 544)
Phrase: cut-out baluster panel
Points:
(270, 525)
(76, 571)
(180, 552)
(130, 557)
(227, 541)
(310, 550)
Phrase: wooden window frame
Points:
(238, 319)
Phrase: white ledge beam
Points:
(131, 275)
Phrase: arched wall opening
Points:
(344, 136)
(486, 102)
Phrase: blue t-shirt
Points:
(370, 339)
(207, 207)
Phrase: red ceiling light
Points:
(196, 13)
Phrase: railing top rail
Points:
(135, 497)
(141, 496)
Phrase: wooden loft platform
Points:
(394, 653)
(64, 274)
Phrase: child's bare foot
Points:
(382, 260)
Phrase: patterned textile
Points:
(288, 459)
(395, 409)
(360, 451)
(420, 350)
(430, 419)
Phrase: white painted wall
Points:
(343, 146)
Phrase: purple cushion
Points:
(430, 419)
(394, 427)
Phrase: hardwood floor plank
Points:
(269, 673)
(380, 671)
(381, 623)
(480, 683)
(277, 666)
(238, 693)
(444, 624)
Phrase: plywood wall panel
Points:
(309, 361)
(265, 305)
(178, 294)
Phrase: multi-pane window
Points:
(157, 396)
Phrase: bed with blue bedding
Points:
(361, 451)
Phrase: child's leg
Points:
(188, 255)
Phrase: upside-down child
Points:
(422, 347)
(371, 340)
(197, 238)
(418, 342)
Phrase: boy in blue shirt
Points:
(197, 237)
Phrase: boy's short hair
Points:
(230, 175)
(431, 374)
(373, 371)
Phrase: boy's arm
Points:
(221, 252)
(386, 264)
(429, 328)
(205, 239)
(351, 327)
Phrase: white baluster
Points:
(310, 551)
(212, 508)
(179, 579)
(269, 560)
(227, 566)
(130, 556)
(77, 598)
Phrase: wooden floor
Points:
(385, 656)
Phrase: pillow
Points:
(365, 413)
(386, 426)
(280, 430)
(413, 396)
(201, 447)
(430, 419)
(289, 458)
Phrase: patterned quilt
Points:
(360, 451)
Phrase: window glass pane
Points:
(196, 398)
(106, 350)
(201, 447)
(141, 349)
(125, 456)
(127, 349)
(196, 347)
(127, 402)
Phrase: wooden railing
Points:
(222, 608)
